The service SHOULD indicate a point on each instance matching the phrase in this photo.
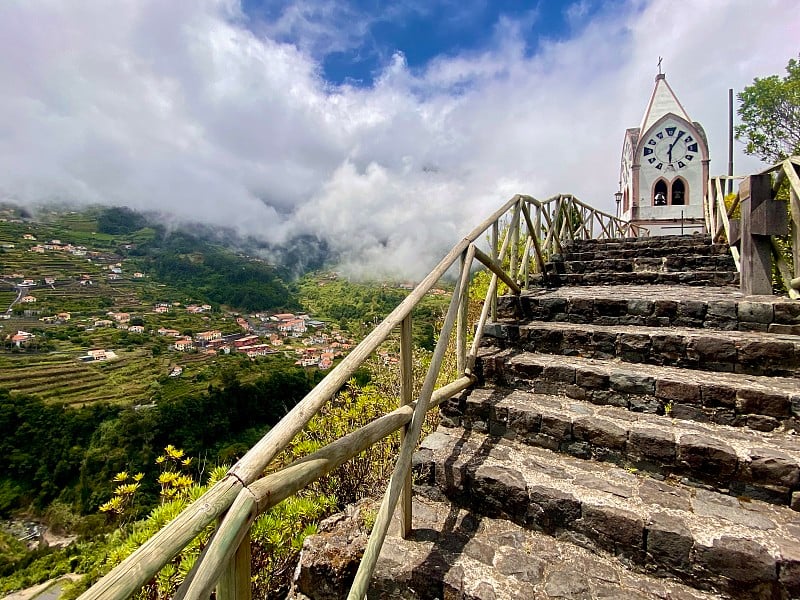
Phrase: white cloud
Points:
(180, 107)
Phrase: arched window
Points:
(660, 193)
(678, 193)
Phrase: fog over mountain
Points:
(206, 111)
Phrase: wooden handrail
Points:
(244, 493)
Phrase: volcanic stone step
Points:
(639, 243)
(757, 402)
(730, 460)
(693, 278)
(452, 553)
(580, 253)
(656, 305)
(666, 264)
(754, 353)
(749, 549)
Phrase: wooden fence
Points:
(755, 238)
(522, 234)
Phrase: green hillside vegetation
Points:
(359, 306)
(67, 427)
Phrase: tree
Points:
(770, 115)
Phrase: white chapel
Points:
(664, 167)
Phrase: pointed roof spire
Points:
(662, 101)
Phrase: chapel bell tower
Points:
(664, 167)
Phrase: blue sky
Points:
(387, 128)
(421, 30)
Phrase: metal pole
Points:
(730, 140)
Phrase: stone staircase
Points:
(635, 439)
(685, 259)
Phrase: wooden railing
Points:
(244, 493)
(753, 239)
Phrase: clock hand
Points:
(672, 145)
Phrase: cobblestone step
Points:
(757, 402)
(580, 253)
(656, 306)
(639, 243)
(748, 549)
(690, 278)
(755, 353)
(666, 264)
(452, 553)
(730, 460)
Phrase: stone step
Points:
(638, 243)
(571, 254)
(668, 264)
(656, 306)
(689, 278)
(757, 402)
(754, 353)
(748, 549)
(730, 460)
(453, 553)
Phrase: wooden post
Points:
(790, 168)
(234, 583)
(406, 397)
(461, 325)
(513, 258)
(495, 237)
(762, 217)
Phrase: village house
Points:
(184, 345)
(294, 326)
(28, 236)
(97, 355)
(168, 332)
(113, 276)
(39, 249)
(63, 316)
(120, 317)
(28, 299)
(136, 328)
(247, 340)
(256, 350)
(161, 309)
(103, 323)
(138, 275)
(325, 360)
(49, 280)
(21, 337)
(208, 336)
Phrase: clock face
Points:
(670, 148)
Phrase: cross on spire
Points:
(659, 65)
